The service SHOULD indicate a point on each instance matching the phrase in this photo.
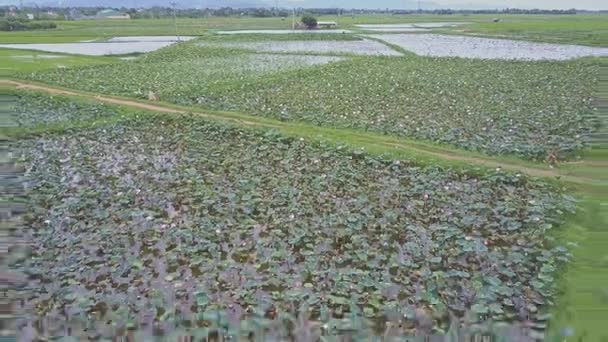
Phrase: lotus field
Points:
(474, 104)
(160, 221)
(395, 178)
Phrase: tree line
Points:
(41, 13)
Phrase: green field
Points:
(429, 99)
(321, 160)
(589, 29)
(25, 61)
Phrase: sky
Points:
(408, 4)
(546, 4)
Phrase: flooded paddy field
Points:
(436, 45)
(92, 49)
(114, 46)
(355, 47)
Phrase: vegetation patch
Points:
(171, 73)
(13, 62)
(34, 110)
(16, 24)
(159, 221)
(537, 110)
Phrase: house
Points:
(327, 24)
(30, 16)
(52, 14)
(12, 12)
(112, 14)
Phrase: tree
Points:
(309, 21)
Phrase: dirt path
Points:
(444, 155)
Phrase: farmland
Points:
(420, 98)
(14, 61)
(198, 215)
(585, 29)
(299, 185)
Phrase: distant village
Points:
(100, 13)
(37, 13)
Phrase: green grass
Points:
(589, 29)
(583, 304)
(597, 157)
(14, 61)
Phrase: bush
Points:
(12, 24)
(4, 26)
(42, 25)
(309, 21)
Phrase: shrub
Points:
(12, 24)
(42, 25)
(309, 21)
(4, 25)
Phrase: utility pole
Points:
(293, 19)
(419, 8)
(174, 5)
